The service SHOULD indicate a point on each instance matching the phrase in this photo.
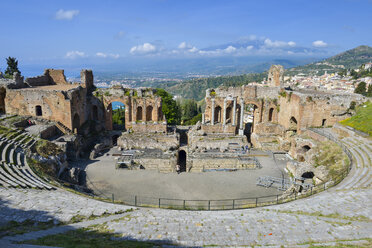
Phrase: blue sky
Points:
(60, 32)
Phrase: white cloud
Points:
(146, 48)
(74, 54)
(183, 45)
(193, 50)
(66, 14)
(319, 43)
(277, 43)
(230, 49)
(107, 55)
(249, 48)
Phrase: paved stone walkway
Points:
(342, 212)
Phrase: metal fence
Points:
(229, 204)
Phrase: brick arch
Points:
(107, 102)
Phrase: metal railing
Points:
(224, 204)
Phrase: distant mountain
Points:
(350, 59)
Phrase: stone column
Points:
(203, 118)
(224, 111)
(212, 117)
(234, 112)
(241, 129)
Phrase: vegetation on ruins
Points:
(361, 88)
(330, 155)
(12, 67)
(362, 119)
(46, 148)
(190, 111)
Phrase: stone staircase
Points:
(361, 173)
(63, 128)
(14, 169)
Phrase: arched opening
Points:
(160, 114)
(306, 148)
(149, 113)
(38, 110)
(95, 113)
(139, 113)
(117, 110)
(115, 140)
(293, 124)
(228, 115)
(217, 114)
(76, 123)
(182, 160)
(250, 119)
(324, 122)
(308, 175)
(2, 100)
(271, 111)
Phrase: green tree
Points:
(12, 66)
(361, 88)
(170, 108)
(369, 91)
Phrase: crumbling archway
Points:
(149, 113)
(139, 113)
(306, 148)
(181, 161)
(228, 114)
(271, 111)
(217, 114)
(293, 124)
(308, 175)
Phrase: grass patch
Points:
(93, 236)
(364, 243)
(334, 215)
(46, 148)
(15, 228)
(331, 155)
(362, 119)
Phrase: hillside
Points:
(195, 88)
(362, 120)
(350, 59)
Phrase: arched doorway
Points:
(324, 122)
(117, 110)
(293, 124)
(308, 175)
(149, 113)
(217, 114)
(306, 148)
(228, 115)
(250, 119)
(182, 160)
(76, 123)
(115, 140)
(139, 113)
(38, 110)
(271, 111)
(160, 114)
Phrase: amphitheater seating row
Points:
(14, 169)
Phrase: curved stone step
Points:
(11, 178)
(4, 156)
(24, 177)
(356, 152)
(363, 182)
(14, 176)
(6, 182)
(359, 176)
(30, 171)
(41, 183)
(2, 146)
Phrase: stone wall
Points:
(160, 141)
(57, 76)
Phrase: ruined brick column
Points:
(234, 113)
(224, 111)
(241, 130)
(212, 117)
(203, 118)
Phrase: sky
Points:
(74, 32)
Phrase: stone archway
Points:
(293, 124)
(217, 114)
(181, 161)
(149, 113)
(38, 110)
(271, 112)
(139, 113)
